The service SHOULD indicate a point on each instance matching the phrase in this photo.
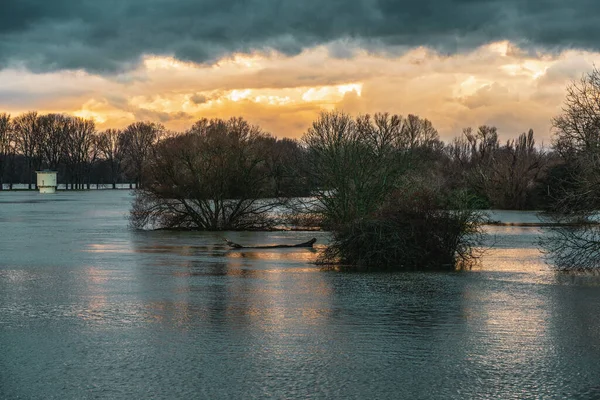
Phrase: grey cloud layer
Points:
(111, 35)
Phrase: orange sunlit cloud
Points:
(495, 84)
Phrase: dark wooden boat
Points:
(308, 244)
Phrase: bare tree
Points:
(354, 162)
(382, 212)
(483, 143)
(505, 176)
(471, 156)
(110, 144)
(283, 161)
(28, 139)
(513, 172)
(572, 248)
(6, 145)
(79, 150)
(138, 141)
(575, 241)
(418, 132)
(577, 139)
(577, 129)
(210, 178)
(54, 129)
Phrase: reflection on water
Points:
(91, 309)
(307, 256)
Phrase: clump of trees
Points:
(375, 194)
(505, 176)
(219, 175)
(500, 176)
(369, 179)
(137, 144)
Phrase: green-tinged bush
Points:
(357, 162)
(416, 229)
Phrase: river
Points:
(92, 309)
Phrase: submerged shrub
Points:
(416, 229)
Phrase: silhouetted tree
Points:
(210, 178)
(79, 150)
(577, 128)
(418, 132)
(418, 227)
(138, 141)
(575, 242)
(577, 140)
(283, 163)
(510, 175)
(355, 163)
(6, 145)
(110, 144)
(383, 212)
(28, 139)
(505, 176)
(55, 130)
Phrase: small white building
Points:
(46, 181)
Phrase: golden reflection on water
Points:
(176, 314)
(95, 309)
(515, 323)
(243, 288)
(95, 280)
(181, 250)
(272, 308)
(97, 276)
(296, 255)
(527, 260)
(108, 248)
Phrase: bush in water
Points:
(415, 229)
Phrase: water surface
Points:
(92, 309)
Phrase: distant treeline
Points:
(512, 175)
(73, 147)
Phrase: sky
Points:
(278, 63)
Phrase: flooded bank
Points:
(92, 309)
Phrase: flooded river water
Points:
(92, 309)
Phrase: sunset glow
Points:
(499, 82)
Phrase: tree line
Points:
(72, 146)
(351, 163)
(512, 175)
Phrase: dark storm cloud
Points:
(112, 35)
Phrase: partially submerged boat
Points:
(308, 244)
